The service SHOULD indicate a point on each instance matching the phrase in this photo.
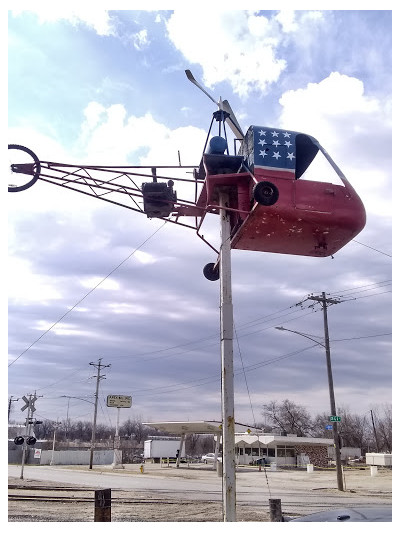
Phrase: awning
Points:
(201, 427)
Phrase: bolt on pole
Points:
(227, 392)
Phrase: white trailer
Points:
(379, 459)
(163, 447)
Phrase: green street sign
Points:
(334, 419)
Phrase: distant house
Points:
(288, 450)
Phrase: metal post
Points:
(216, 450)
(324, 300)
(25, 446)
(178, 459)
(227, 393)
(54, 445)
(117, 462)
(31, 409)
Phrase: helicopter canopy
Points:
(279, 150)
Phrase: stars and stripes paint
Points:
(273, 148)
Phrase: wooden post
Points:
(275, 510)
(102, 505)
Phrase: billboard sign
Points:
(116, 400)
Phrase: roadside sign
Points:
(335, 419)
(38, 453)
(329, 426)
(116, 400)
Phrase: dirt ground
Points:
(44, 501)
(127, 506)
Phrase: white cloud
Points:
(241, 51)
(97, 19)
(244, 48)
(353, 127)
(140, 39)
(100, 283)
(25, 287)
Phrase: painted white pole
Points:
(117, 462)
(54, 445)
(227, 393)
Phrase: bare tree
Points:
(191, 443)
(288, 417)
(135, 429)
(382, 416)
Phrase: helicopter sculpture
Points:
(270, 208)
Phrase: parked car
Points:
(210, 457)
(373, 513)
(262, 461)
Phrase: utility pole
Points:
(11, 399)
(227, 380)
(99, 366)
(325, 301)
(376, 436)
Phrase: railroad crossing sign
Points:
(334, 419)
(29, 403)
(116, 400)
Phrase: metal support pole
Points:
(178, 459)
(117, 461)
(25, 446)
(216, 450)
(54, 445)
(227, 393)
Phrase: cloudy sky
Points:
(89, 280)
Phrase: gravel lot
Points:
(301, 494)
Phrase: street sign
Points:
(334, 419)
(329, 426)
(116, 400)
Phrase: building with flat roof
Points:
(252, 446)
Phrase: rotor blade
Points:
(233, 123)
(191, 78)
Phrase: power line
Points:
(367, 296)
(87, 294)
(245, 325)
(371, 248)
(370, 285)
